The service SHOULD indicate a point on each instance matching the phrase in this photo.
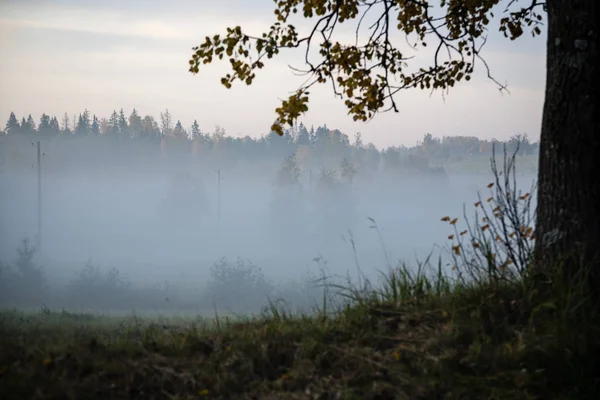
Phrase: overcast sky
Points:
(65, 56)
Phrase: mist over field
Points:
(164, 219)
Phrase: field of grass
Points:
(412, 338)
(497, 327)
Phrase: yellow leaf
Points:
(277, 129)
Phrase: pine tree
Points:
(95, 128)
(303, 136)
(196, 133)
(44, 126)
(135, 123)
(123, 127)
(31, 126)
(25, 129)
(113, 125)
(12, 125)
(66, 124)
(179, 132)
(83, 127)
(54, 126)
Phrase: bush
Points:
(98, 289)
(23, 282)
(239, 286)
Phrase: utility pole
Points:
(219, 195)
(39, 199)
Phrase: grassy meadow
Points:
(495, 327)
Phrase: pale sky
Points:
(65, 56)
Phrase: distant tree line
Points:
(312, 146)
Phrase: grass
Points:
(494, 327)
(471, 342)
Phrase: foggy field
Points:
(159, 226)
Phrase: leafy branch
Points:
(369, 75)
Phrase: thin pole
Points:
(219, 195)
(39, 199)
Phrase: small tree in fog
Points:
(241, 286)
(347, 172)
(288, 175)
(288, 204)
(25, 265)
(23, 283)
(93, 287)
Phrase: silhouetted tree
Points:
(195, 130)
(123, 127)
(179, 132)
(95, 128)
(83, 127)
(135, 123)
(12, 125)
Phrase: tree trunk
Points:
(568, 210)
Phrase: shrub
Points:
(239, 286)
(23, 283)
(96, 288)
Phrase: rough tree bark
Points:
(568, 211)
